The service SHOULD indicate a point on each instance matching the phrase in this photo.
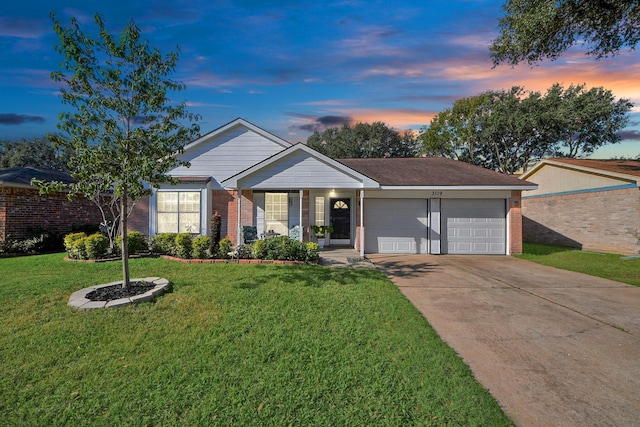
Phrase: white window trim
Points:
(205, 208)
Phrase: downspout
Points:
(362, 223)
(239, 230)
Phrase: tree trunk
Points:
(125, 239)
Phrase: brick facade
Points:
(225, 202)
(139, 218)
(23, 210)
(599, 221)
(515, 222)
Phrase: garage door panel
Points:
(396, 226)
(474, 226)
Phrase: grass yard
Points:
(231, 345)
(608, 266)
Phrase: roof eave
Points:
(586, 169)
(459, 187)
(367, 183)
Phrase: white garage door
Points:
(395, 226)
(474, 226)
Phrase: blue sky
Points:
(292, 67)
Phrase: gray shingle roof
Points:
(629, 167)
(25, 174)
(430, 171)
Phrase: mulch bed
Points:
(114, 292)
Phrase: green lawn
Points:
(609, 266)
(231, 345)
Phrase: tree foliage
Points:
(364, 140)
(37, 153)
(504, 130)
(532, 30)
(122, 127)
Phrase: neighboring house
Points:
(418, 205)
(582, 203)
(24, 211)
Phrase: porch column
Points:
(362, 222)
(239, 230)
(301, 196)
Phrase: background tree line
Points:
(504, 130)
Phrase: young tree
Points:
(364, 140)
(533, 30)
(123, 128)
(37, 153)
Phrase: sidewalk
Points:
(343, 257)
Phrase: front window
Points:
(319, 219)
(178, 212)
(276, 213)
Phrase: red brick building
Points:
(584, 203)
(23, 209)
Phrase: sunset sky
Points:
(292, 67)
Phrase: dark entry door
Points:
(340, 218)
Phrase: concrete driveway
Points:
(555, 348)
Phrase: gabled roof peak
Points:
(232, 124)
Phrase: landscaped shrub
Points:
(71, 244)
(224, 247)
(313, 252)
(31, 245)
(257, 248)
(282, 248)
(243, 252)
(137, 242)
(184, 245)
(96, 245)
(164, 244)
(78, 249)
(43, 240)
(216, 229)
(201, 246)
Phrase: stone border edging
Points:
(79, 299)
(230, 261)
(100, 259)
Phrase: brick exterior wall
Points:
(515, 222)
(306, 221)
(600, 221)
(24, 209)
(139, 218)
(225, 202)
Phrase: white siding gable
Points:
(226, 154)
(299, 170)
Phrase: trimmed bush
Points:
(164, 244)
(79, 249)
(201, 246)
(137, 243)
(74, 245)
(96, 245)
(282, 248)
(70, 239)
(243, 252)
(184, 245)
(257, 247)
(224, 247)
(313, 251)
(31, 245)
